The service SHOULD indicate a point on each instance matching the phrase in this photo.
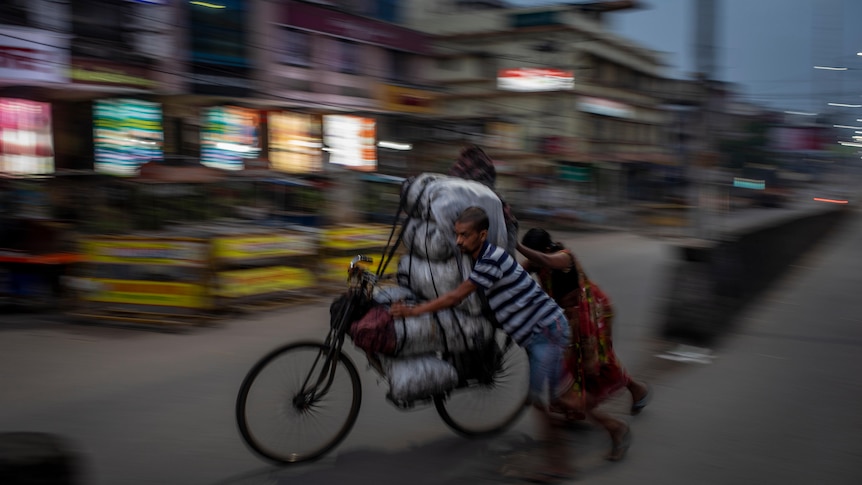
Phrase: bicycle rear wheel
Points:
(483, 409)
(282, 423)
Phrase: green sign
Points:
(574, 174)
(534, 19)
(749, 183)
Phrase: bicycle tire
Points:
(481, 410)
(274, 429)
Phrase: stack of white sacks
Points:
(432, 266)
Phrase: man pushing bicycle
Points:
(525, 312)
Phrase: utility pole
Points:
(705, 63)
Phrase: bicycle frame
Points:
(360, 284)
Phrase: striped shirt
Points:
(519, 304)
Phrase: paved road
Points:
(146, 407)
(778, 404)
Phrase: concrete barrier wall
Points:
(713, 282)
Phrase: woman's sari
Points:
(592, 361)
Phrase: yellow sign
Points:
(260, 281)
(335, 269)
(145, 251)
(148, 293)
(264, 246)
(107, 77)
(356, 237)
(406, 100)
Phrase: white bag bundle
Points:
(389, 294)
(415, 189)
(451, 330)
(441, 199)
(426, 240)
(419, 377)
(430, 279)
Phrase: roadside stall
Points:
(149, 279)
(267, 254)
(259, 268)
(339, 244)
(196, 243)
(275, 199)
(145, 261)
(36, 244)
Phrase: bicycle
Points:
(301, 400)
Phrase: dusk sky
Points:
(768, 47)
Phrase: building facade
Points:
(551, 91)
(335, 89)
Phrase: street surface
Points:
(150, 407)
(779, 403)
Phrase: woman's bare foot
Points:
(640, 396)
(622, 438)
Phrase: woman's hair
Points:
(539, 240)
(474, 164)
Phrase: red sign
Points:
(32, 55)
(320, 19)
(24, 59)
(535, 79)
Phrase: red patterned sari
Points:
(592, 361)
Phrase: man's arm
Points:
(447, 300)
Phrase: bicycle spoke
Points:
(279, 423)
(482, 409)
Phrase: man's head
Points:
(471, 230)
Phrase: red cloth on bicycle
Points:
(375, 332)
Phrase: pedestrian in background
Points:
(597, 371)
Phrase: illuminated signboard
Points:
(25, 137)
(350, 141)
(535, 79)
(128, 133)
(295, 142)
(749, 183)
(605, 107)
(229, 135)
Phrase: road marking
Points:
(688, 353)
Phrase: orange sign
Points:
(406, 100)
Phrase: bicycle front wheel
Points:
(284, 422)
(485, 408)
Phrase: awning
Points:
(152, 172)
(383, 178)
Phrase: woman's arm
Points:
(556, 260)
(447, 300)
